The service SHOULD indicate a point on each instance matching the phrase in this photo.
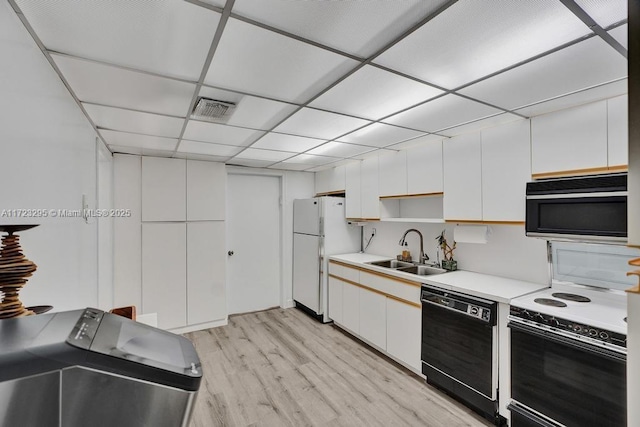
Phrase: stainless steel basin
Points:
(422, 270)
(391, 263)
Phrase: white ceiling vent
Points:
(213, 110)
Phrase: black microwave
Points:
(587, 208)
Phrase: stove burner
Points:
(571, 297)
(549, 301)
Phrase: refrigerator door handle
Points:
(321, 275)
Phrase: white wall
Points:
(48, 154)
(508, 253)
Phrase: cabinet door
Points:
(127, 234)
(373, 318)
(351, 307)
(424, 168)
(570, 140)
(393, 174)
(163, 189)
(323, 180)
(164, 272)
(506, 169)
(404, 332)
(206, 261)
(335, 300)
(206, 190)
(618, 130)
(337, 179)
(369, 197)
(353, 208)
(463, 178)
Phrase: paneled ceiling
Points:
(316, 83)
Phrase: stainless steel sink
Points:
(422, 270)
(391, 263)
(407, 267)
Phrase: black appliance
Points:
(565, 373)
(588, 208)
(88, 367)
(459, 348)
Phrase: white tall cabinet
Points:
(177, 264)
(463, 178)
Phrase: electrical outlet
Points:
(373, 232)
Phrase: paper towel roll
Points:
(471, 233)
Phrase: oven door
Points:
(565, 380)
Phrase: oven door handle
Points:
(603, 352)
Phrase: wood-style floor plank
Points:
(282, 368)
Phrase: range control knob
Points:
(593, 332)
(554, 322)
(603, 335)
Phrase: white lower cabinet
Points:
(404, 332)
(335, 299)
(373, 318)
(351, 307)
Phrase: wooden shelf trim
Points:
(377, 273)
(574, 172)
(472, 221)
(635, 262)
(412, 196)
(330, 193)
(393, 297)
(363, 219)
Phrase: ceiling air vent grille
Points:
(213, 110)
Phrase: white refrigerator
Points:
(319, 231)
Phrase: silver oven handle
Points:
(559, 339)
(575, 195)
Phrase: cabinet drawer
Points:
(348, 273)
(396, 288)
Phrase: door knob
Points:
(230, 253)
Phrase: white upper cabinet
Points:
(618, 130)
(206, 189)
(369, 195)
(506, 169)
(424, 168)
(393, 174)
(353, 206)
(570, 140)
(463, 178)
(163, 189)
(330, 180)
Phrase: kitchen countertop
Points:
(495, 288)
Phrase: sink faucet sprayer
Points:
(423, 256)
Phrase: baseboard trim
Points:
(200, 326)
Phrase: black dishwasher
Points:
(459, 347)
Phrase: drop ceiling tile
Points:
(102, 84)
(472, 39)
(137, 140)
(340, 149)
(268, 155)
(220, 134)
(379, 135)
(583, 65)
(310, 160)
(442, 113)
(415, 142)
(290, 166)
(371, 154)
(210, 149)
(621, 34)
(249, 163)
(357, 27)
(498, 119)
(251, 111)
(374, 93)
(586, 96)
(319, 124)
(255, 60)
(206, 157)
(605, 12)
(175, 36)
(219, 3)
(281, 142)
(134, 121)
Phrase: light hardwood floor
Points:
(282, 368)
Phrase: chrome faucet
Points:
(423, 256)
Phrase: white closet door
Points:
(164, 272)
(164, 191)
(206, 190)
